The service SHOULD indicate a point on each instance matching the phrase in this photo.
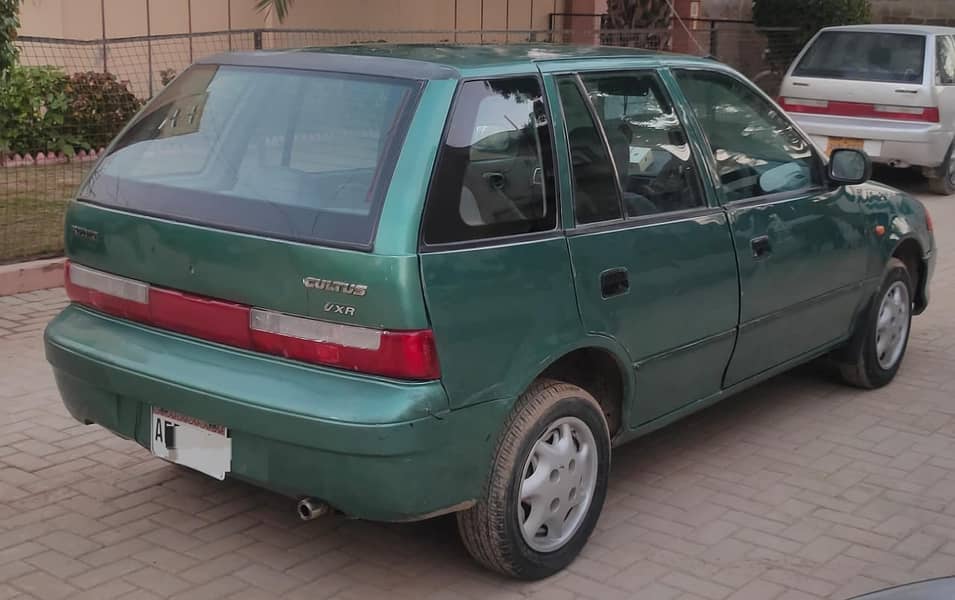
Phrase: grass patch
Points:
(33, 201)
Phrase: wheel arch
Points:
(601, 368)
(909, 250)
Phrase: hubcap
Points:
(892, 328)
(951, 170)
(557, 484)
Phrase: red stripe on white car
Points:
(929, 114)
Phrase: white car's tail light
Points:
(928, 114)
(804, 102)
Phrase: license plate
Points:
(190, 442)
(839, 143)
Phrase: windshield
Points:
(865, 56)
(292, 154)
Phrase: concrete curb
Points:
(28, 276)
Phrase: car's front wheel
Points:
(546, 486)
(876, 350)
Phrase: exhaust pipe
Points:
(311, 508)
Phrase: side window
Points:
(595, 191)
(758, 152)
(649, 146)
(946, 59)
(494, 175)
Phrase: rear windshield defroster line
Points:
(298, 155)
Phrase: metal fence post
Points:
(714, 42)
(257, 39)
(192, 57)
(149, 47)
(102, 14)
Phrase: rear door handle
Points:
(761, 246)
(614, 282)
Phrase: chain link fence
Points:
(68, 98)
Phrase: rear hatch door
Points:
(258, 186)
(869, 68)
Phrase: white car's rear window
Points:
(301, 155)
(865, 56)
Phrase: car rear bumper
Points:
(371, 447)
(916, 144)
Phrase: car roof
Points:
(896, 28)
(434, 61)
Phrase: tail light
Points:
(399, 354)
(859, 109)
(928, 221)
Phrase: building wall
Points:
(83, 19)
(883, 11)
(940, 12)
(728, 9)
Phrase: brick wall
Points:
(935, 12)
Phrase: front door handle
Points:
(761, 246)
(614, 282)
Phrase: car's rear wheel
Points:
(943, 181)
(878, 346)
(546, 487)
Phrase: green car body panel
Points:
(702, 319)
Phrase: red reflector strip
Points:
(400, 354)
(859, 109)
(205, 318)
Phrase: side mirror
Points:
(849, 167)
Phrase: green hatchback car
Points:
(400, 282)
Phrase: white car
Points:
(886, 89)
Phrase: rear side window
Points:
(865, 56)
(291, 154)
(595, 190)
(946, 59)
(494, 175)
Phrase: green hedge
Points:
(99, 106)
(44, 110)
(33, 107)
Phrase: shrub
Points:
(99, 106)
(33, 106)
(167, 75)
(806, 17)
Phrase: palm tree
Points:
(9, 23)
(638, 14)
(281, 7)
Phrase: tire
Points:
(878, 346)
(492, 530)
(944, 181)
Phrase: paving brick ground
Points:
(799, 489)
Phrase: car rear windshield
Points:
(300, 155)
(865, 56)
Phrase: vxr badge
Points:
(341, 309)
